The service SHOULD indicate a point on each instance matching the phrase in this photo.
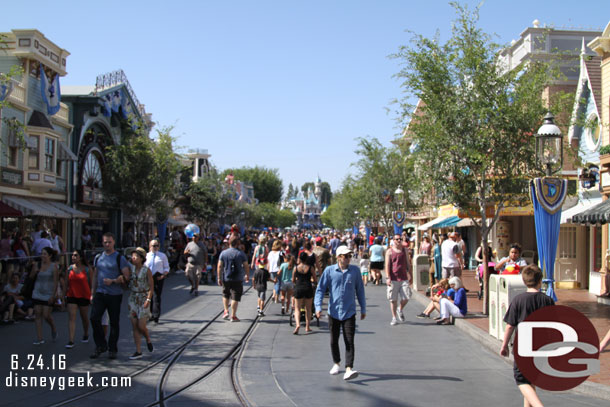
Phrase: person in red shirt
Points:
(78, 295)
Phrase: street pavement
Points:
(416, 363)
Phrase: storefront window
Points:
(33, 145)
(49, 154)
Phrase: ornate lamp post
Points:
(549, 146)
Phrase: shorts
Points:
(193, 271)
(81, 302)
(364, 272)
(452, 271)
(519, 378)
(41, 302)
(232, 290)
(400, 289)
(262, 295)
(377, 265)
(286, 285)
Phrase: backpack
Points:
(261, 257)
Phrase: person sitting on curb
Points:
(453, 308)
(438, 291)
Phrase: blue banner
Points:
(50, 92)
(162, 231)
(547, 195)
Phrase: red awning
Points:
(9, 212)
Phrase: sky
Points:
(282, 84)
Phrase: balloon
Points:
(190, 230)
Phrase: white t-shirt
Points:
(449, 251)
(272, 260)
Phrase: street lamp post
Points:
(549, 146)
(548, 195)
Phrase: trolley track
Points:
(172, 357)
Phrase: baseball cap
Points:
(341, 250)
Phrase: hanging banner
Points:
(547, 195)
(50, 91)
(399, 219)
(6, 87)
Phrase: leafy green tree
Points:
(140, 173)
(381, 170)
(474, 128)
(204, 201)
(326, 193)
(267, 182)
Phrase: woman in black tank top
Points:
(302, 279)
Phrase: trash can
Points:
(509, 286)
(493, 305)
(421, 274)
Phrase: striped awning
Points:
(8, 211)
(39, 207)
(64, 153)
(434, 222)
(599, 213)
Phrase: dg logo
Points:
(557, 348)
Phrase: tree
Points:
(204, 201)
(267, 182)
(476, 120)
(326, 193)
(381, 170)
(291, 191)
(140, 174)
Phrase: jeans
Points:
(155, 306)
(101, 303)
(349, 330)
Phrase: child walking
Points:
(364, 268)
(520, 308)
(261, 276)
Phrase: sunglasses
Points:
(347, 256)
(155, 245)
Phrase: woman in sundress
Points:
(141, 287)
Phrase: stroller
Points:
(480, 277)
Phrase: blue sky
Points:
(282, 84)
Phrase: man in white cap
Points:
(344, 282)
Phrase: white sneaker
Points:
(350, 374)
(394, 322)
(401, 316)
(335, 369)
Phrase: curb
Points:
(587, 388)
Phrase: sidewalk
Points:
(477, 326)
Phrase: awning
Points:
(39, 207)
(580, 207)
(599, 213)
(466, 222)
(433, 222)
(65, 154)
(73, 212)
(9, 212)
(448, 223)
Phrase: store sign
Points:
(13, 178)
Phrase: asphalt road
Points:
(416, 363)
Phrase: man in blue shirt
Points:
(345, 283)
(106, 291)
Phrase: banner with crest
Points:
(50, 92)
(547, 195)
(399, 219)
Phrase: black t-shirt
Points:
(524, 304)
(261, 276)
